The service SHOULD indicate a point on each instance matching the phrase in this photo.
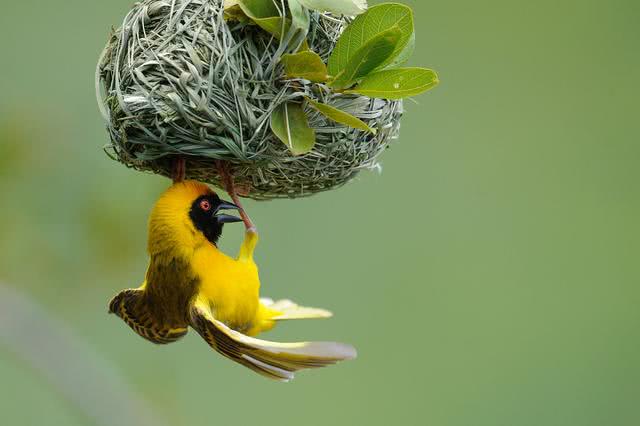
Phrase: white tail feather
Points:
(291, 311)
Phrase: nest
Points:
(177, 80)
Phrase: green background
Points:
(489, 276)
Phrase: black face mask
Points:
(206, 216)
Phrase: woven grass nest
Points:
(178, 80)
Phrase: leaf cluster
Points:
(367, 59)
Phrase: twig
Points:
(229, 186)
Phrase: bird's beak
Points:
(226, 218)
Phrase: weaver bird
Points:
(191, 283)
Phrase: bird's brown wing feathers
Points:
(131, 306)
(278, 361)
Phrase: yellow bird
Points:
(191, 283)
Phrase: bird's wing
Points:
(277, 361)
(288, 310)
(134, 309)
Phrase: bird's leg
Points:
(229, 186)
(179, 169)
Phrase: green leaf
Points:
(406, 53)
(265, 14)
(233, 12)
(305, 46)
(369, 57)
(273, 26)
(299, 15)
(258, 9)
(397, 83)
(307, 65)
(289, 123)
(365, 27)
(338, 7)
(340, 116)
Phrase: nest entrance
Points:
(178, 81)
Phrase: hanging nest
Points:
(178, 80)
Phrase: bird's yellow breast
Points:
(230, 286)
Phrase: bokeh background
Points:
(489, 276)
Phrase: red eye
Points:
(205, 205)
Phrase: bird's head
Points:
(188, 214)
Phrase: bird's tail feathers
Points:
(287, 310)
(277, 361)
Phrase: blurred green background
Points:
(489, 276)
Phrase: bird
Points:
(191, 283)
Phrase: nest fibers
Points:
(177, 80)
